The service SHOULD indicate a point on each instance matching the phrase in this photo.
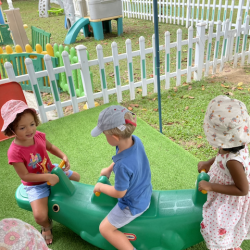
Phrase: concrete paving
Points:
(31, 101)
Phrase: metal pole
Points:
(157, 60)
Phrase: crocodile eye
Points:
(56, 208)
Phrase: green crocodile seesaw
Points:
(172, 221)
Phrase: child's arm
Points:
(109, 190)
(107, 171)
(237, 172)
(205, 165)
(57, 152)
(30, 177)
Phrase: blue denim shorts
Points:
(119, 218)
(37, 192)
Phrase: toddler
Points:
(28, 155)
(132, 174)
(226, 214)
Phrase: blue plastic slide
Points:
(75, 29)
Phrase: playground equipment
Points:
(10, 4)
(44, 8)
(5, 37)
(92, 14)
(39, 36)
(8, 91)
(97, 15)
(171, 222)
(17, 60)
(1, 14)
(16, 27)
(99, 27)
(67, 6)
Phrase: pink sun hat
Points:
(10, 110)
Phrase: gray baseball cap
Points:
(111, 117)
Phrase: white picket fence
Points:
(189, 11)
(203, 61)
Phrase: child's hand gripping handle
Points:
(102, 179)
(61, 165)
(203, 191)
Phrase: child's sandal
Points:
(237, 248)
(45, 229)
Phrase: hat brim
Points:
(13, 117)
(96, 131)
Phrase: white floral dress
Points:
(226, 218)
(18, 235)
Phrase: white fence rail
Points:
(226, 43)
(189, 11)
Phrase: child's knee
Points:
(102, 229)
(75, 177)
(106, 228)
(40, 218)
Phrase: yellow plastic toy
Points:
(203, 191)
(61, 165)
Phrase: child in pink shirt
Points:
(28, 155)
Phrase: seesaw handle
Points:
(203, 191)
(97, 194)
(61, 165)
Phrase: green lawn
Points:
(183, 110)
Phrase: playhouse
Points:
(92, 16)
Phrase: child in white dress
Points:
(226, 214)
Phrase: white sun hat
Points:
(226, 123)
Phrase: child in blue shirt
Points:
(133, 186)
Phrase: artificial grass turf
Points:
(172, 167)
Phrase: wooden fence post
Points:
(117, 72)
(237, 41)
(130, 69)
(178, 57)
(224, 46)
(36, 90)
(216, 46)
(102, 73)
(240, 11)
(245, 35)
(154, 64)
(143, 65)
(10, 71)
(231, 14)
(190, 52)
(183, 11)
(54, 88)
(72, 90)
(83, 60)
(199, 50)
(167, 59)
(188, 13)
(209, 46)
(208, 9)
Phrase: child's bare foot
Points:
(47, 233)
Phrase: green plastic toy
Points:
(172, 221)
